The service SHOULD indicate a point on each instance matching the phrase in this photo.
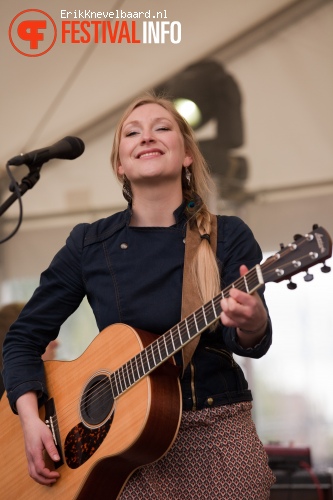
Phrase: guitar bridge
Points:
(51, 421)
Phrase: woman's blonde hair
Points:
(195, 192)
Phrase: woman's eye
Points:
(163, 128)
(133, 132)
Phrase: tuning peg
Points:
(281, 246)
(297, 237)
(291, 285)
(315, 226)
(325, 268)
(308, 276)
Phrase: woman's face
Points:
(151, 146)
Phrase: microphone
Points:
(68, 148)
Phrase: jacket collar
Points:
(105, 228)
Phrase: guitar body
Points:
(99, 456)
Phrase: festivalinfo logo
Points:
(33, 32)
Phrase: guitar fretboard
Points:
(179, 335)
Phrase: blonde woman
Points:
(130, 266)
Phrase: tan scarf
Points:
(190, 296)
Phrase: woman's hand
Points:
(245, 312)
(38, 440)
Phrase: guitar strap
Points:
(190, 293)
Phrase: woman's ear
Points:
(188, 160)
(120, 170)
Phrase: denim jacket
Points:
(133, 275)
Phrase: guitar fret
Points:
(187, 328)
(137, 368)
(164, 352)
(214, 309)
(118, 383)
(217, 306)
(204, 314)
(126, 378)
(201, 324)
(246, 285)
(121, 379)
(152, 352)
(183, 331)
(190, 325)
(177, 337)
(120, 389)
(133, 371)
(172, 342)
(159, 352)
(180, 334)
(147, 361)
(195, 321)
(114, 384)
(210, 315)
(141, 365)
(129, 372)
(151, 349)
(166, 346)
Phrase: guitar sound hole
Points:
(97, 400)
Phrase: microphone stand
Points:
(27, 183)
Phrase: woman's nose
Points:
(147, 137)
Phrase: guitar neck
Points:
(303, 253)
(178, 336)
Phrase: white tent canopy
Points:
(279, 53)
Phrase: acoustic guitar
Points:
(118, 406)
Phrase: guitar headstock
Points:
(303, 253)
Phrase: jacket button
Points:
(210, 401)
(123, 246)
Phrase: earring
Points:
(188, 176)
(127, 191)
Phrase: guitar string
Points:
(103, 382)
(153, 351)
(182, 328)
(248, 279)
(103, 386)
(191, 320)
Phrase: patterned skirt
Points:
(217, 455)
